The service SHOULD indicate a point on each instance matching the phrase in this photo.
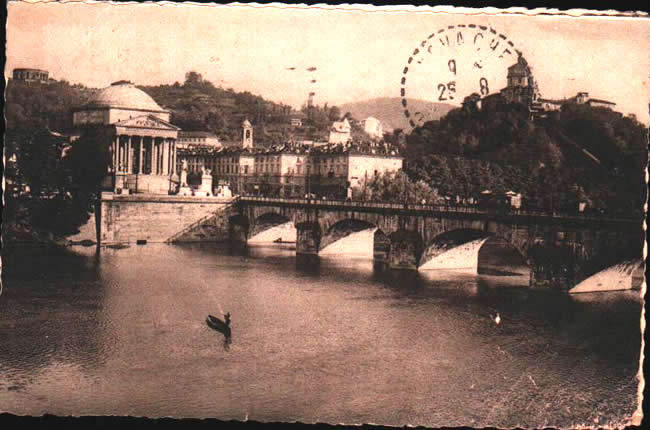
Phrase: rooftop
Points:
(196, 134)
(354, 148)
(123, 94)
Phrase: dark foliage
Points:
(197, 104)
(52, 185)
(593, 155)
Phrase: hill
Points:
(198, 105)
(580, 154)
(30, 104)
(390, 112)
(195, 105)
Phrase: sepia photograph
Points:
(342, 214)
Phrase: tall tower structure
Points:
(310, 105)
(247, 134)
(522, 87)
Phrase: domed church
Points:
(142, 142)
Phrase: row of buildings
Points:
(293, 170)
(148, 153)
(339, 132)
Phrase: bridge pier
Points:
(406, 248)
(552, 266)
(238, 227)
(308, 238)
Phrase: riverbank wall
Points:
(125, 219)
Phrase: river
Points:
(337, 340)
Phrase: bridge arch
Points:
(460, 248)
(342, 229)
(267, 221)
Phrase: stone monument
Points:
(205, 190)
(184, 189)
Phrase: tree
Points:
(193, 79)
(56, 184)
(394, 187)
(334, 114)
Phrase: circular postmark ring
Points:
(435, 67)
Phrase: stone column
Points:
(120, 158)
(141, 158)
(154, 156)
(158, 144)
(115, 149)
(173, 156)
(152, 152)
(165, 162)
(129, 156)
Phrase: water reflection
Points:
(127, 336)
(42, 305)
(308, 264)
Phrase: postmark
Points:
(452, 63)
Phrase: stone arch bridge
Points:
(561, 250)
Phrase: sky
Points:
(359, 53)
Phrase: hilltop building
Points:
(340, 131)
(550, 105)
(31, 75)
(142, 142)
(296, 119)
(373, 127)
(522, 88)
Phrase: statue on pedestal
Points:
(184, 174)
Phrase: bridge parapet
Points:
(561, 249)
(419, 209)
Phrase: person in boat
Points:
(226, 317)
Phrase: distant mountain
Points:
(390, 112)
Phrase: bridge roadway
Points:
(561, 249)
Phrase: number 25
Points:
(450, 89)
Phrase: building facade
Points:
(291, 169)
(197, 138)
(521, 87)
(31, 75)
(373, 127)
(142, 142)
(340, 131)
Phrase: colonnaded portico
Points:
(143, 154)
(142, 143)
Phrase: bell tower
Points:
(247, 134)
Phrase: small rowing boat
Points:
(219, 325)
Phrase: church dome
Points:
(123, 94)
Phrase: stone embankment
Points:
(138, 218)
